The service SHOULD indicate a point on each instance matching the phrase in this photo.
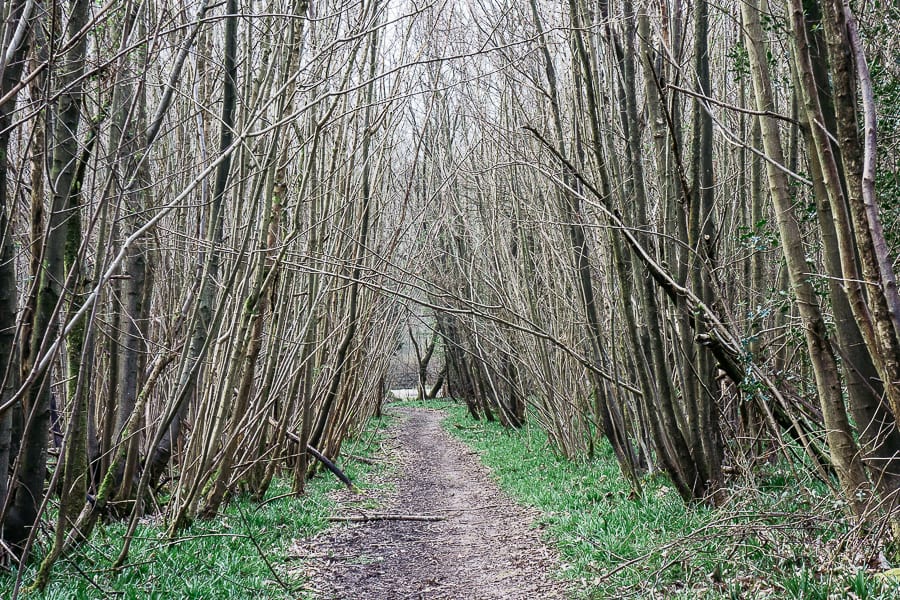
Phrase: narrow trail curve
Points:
(484, 548)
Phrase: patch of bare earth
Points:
(482, 547)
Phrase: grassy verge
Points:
(240, 554)
(779, 538)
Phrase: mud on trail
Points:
(483, 547)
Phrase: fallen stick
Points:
(330, 466)
(385, 517)
(318, 455)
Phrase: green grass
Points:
(779, 538)
(241, 554)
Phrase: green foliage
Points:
(759, 238)
(738, 61)
(804, 586)
(240, 554)
(771, 541)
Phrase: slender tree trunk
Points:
(130, 122)
(80, 353)
(673, 449)
(33, 461)
(844, 451)
(12, 529)
(201, 319)
(361, 250)
(881, 326)
(422, 361)
(702, 238)
(610, 413)
(877, 431)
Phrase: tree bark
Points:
(877, 430)
(844, 451)
(33, 460)
(202, 316)
(9, 365)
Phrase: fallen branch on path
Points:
(385, 517)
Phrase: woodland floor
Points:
(484, 547)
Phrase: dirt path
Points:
(483, 548)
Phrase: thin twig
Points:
(384, 517)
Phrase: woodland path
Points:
(483, 548)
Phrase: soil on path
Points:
(484, 547)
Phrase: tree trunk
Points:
(360, 252)
(702, 237)
(202, 317)
(844, 451)
(33, 460)
(75, 477)
(610, 412)
(876, 425)
(12, 532)
(881, 327)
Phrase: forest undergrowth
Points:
(241, 553)
(780, 534)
